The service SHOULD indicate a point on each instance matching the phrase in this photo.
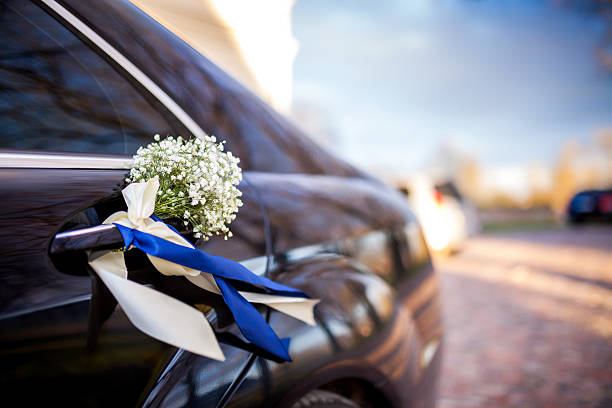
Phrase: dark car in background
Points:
(82, 86)
(590, 205)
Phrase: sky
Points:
(506, 81)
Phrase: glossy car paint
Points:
(44, 320)
(309, 220)
(379, 299)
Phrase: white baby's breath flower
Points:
(197, 180)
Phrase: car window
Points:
(57, 94)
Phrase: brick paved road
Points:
(529, 320)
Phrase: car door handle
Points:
(98, 237)
(105, 236)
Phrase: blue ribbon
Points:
(250, 322)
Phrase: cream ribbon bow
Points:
(157, 314)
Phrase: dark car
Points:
(82, 86)
(590, 205)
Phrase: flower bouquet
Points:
(196, 182)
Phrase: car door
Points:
(70, 117)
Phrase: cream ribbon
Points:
(157, 314)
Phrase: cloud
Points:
(511, 82)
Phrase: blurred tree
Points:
(540, 186)
(468, 179)
(452, 164)
(604, 141)
(564, 177)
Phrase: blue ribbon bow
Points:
(250, 322)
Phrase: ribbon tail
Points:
(156, 314)
(299, 308)
(250, 322)
(113, 262)
(302, 311)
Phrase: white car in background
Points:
(446, 217)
